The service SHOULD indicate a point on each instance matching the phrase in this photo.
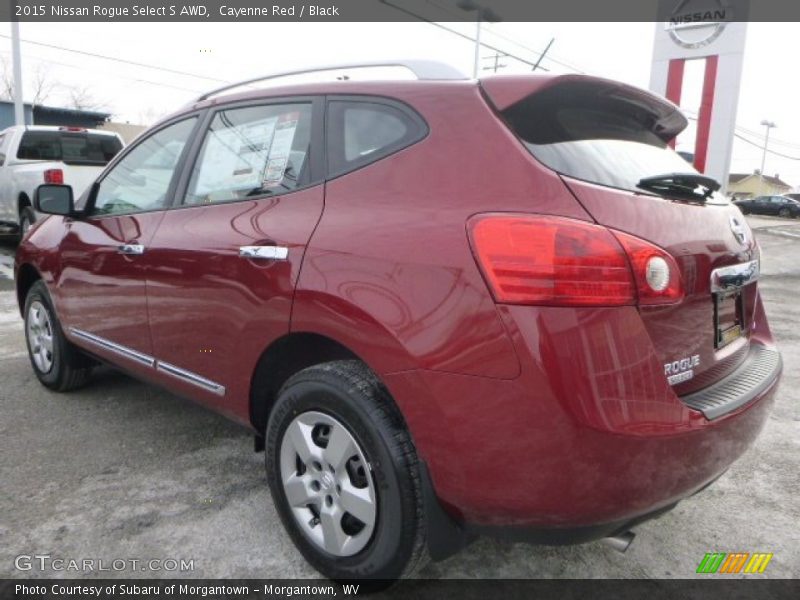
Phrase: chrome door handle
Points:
(130, 249)
(264, 252)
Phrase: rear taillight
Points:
(55, 176)
(544, 260)
(658, 279)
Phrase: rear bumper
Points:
(589, 439)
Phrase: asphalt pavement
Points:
(122, 471)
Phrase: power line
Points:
(756, 144)
(458, 33)
(119, 60)
(492, 31)
(105, 72)
(752, 143)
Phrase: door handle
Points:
(264, 252)
(130, 249)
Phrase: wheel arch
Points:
(27, 275)
(23, 201)
(282, 359)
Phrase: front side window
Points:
(361, 132)
(252, 151)
(141, 180)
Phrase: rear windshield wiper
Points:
(681, 185)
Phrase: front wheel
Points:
(56, 362)
(785, 213)
(343, 474)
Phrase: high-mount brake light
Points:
(557, 261)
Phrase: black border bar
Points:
(598, 11)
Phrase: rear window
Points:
(361, 132)
(585, 132)
(69, 147)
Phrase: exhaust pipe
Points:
(620, 542)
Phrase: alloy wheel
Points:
(39, 330)
(328, 484)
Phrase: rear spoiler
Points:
(505, 91)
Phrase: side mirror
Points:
(53, 199)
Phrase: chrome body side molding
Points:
(189, 377)
(113, 347)
(149, 361)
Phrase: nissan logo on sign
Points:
(697, 23)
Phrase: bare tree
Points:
(41, 84)
(81, 98)
(7, 83)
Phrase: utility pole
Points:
(482, 13)
(497, 66)
(769, 125)
(19, 108)
(477, 63)
(542, 55)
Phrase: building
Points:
(127, 131)
(749, 185)
(51, 115)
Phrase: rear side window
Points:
(361, 132)
(69, 147)
(589, 133)
(252, 151)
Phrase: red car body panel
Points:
(564, 415)
(701, 240)
(213, 312)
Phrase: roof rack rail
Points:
(422, 69)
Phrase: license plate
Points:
(728, 318)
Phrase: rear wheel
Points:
(26, 220)
(56, 362)
(343, 474)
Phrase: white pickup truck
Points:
(36, 154)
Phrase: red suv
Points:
(444, 306)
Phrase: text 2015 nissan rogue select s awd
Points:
(445, 306)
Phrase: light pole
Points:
(769, 125)
(19, 107)
(482, 13)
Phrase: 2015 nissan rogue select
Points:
(446, 307)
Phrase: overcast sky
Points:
(212, 53)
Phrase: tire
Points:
(27, 217)
(62, 367)
(785, 213)
(338, 399)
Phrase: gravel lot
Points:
(121, 470)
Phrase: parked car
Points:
(445, 307)
(780, 206)
(34, 154)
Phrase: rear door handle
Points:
(264, 252)
(130, 249)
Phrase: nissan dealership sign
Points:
(712, 31)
